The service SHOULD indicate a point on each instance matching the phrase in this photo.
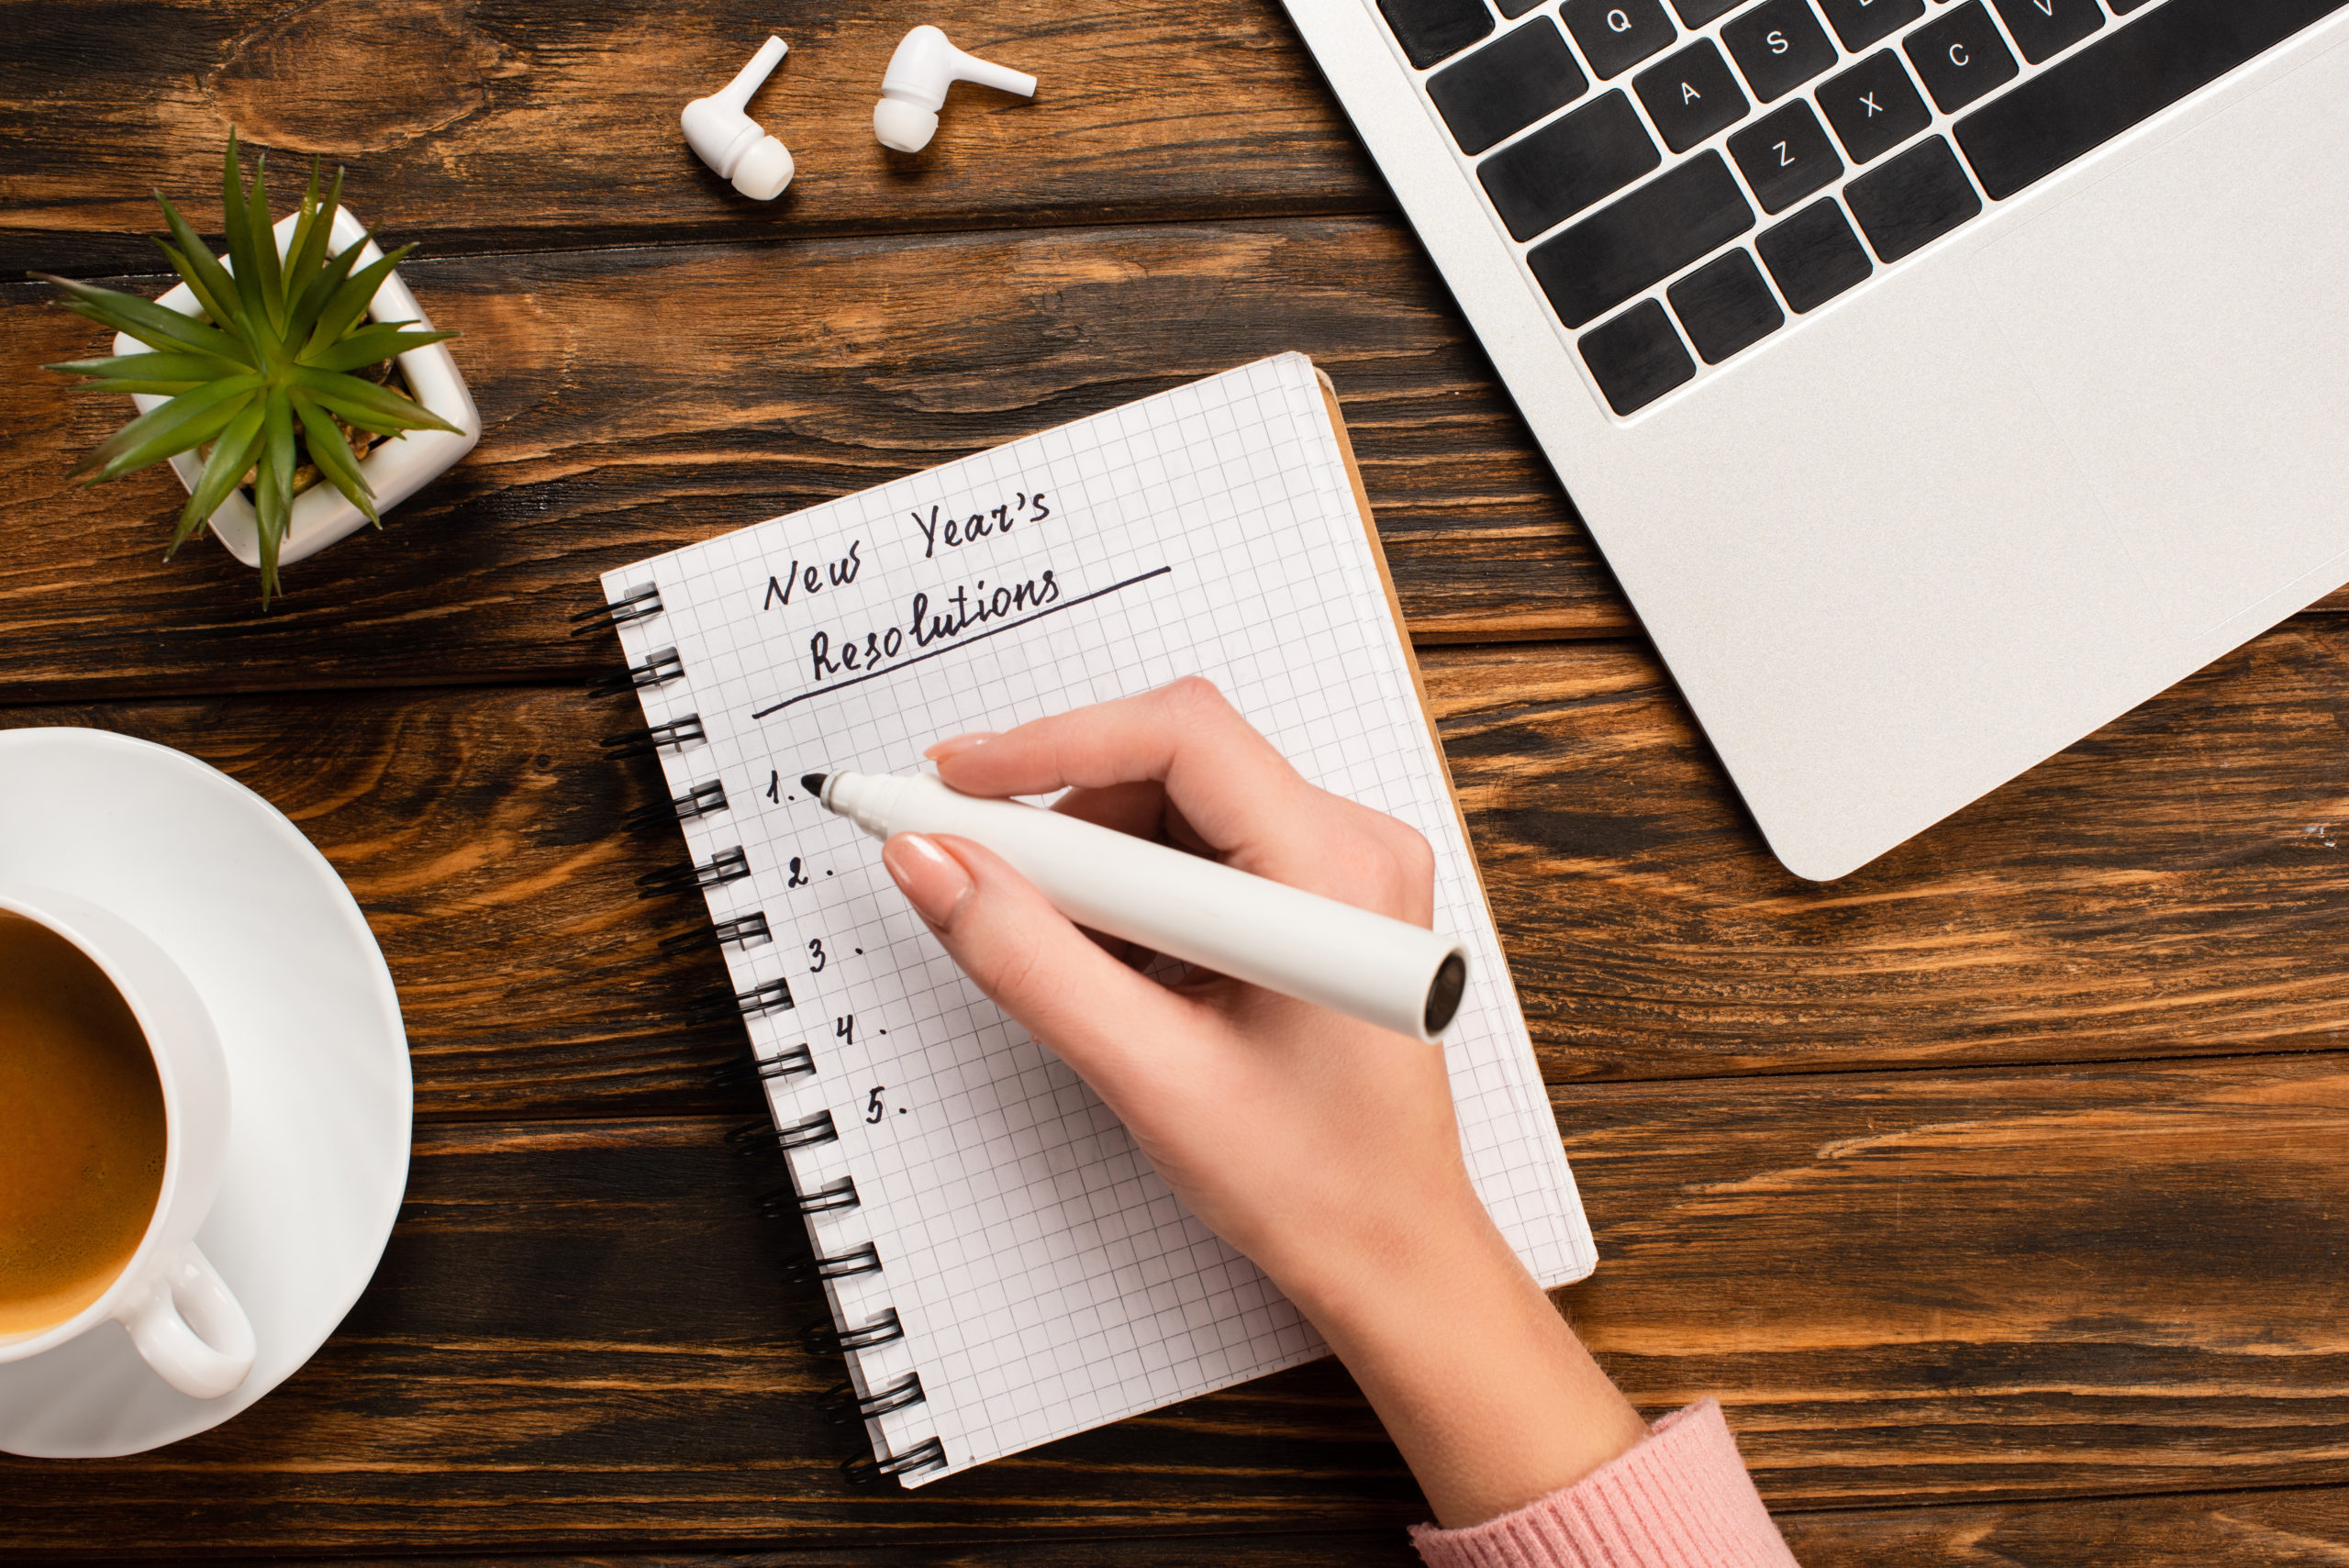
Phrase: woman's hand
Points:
(1323, 1147)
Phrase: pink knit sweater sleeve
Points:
(1681, 1499)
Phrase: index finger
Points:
(1226, 780)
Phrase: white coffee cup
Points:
(180, 1313)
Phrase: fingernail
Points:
(958, 744)
(933, 881)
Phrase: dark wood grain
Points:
(2173, 885)
(2284, 1527)
(2176, 883)
(1905, 1286)
(506, 125)
(2297, 1527)
(639, 400)
(2287, 1527)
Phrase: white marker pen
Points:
(1383, 971)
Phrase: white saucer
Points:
(317, 1062)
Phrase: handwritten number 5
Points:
(873, 1104)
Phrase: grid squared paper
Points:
(1047, 1282)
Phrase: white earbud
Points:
(914, 89)
(731, 141)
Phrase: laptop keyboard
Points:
(1687, 182)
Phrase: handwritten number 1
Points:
(774, 785)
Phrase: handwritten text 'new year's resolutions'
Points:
(930, 619)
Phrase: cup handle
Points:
(204, 1360)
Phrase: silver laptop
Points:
(1941, 381)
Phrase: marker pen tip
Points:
(813, 783)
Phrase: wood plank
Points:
(2299, 1527)
(2171, 887)
(502, 124)
(2174, 884)
(1906, 1286)
(1349, 1549)
(2293, 1528)
(639, 400)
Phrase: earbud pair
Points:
(912, 92)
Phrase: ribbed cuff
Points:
(1681, 1499)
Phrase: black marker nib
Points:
(813, 783)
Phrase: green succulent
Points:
(267, 368)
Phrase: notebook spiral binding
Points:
(727, 865)
(767, 997)
(747, 931)
(826, 1339)
(658, 671)
(702, 800)
(636, 604)
(862, 1259)
(742, 933)
(674, 736)
(843, 1404)
(792, 1061)
(927, 1455)
(785, 1203)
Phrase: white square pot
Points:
(396, 468)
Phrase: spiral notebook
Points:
(1002, 1265)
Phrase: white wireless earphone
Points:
(914, 89)
(731, 141)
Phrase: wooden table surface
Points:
(1997, 1190)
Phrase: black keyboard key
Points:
(1690, 95)
(1873, 108)
(1637, 358)
(1814, 255)
(1960, 57)
(1513, 9)
(1642, 240)
(2045, 27)
(2122, 7)
(1779, 46)
(1913, 200)
(1860, 22)
(1697, 13)
(1616, 35)
(2135, 72)
(1569, 163)
(1785, 156)
(1724, 306)
(1507, 84)
(1431, 31)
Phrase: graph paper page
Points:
(1044, 1280)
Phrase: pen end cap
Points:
(1450, 985)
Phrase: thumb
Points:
(1030, 960)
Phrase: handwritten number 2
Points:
(873, 1104)
(798, 878)
(816, 956)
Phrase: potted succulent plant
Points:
(294, 385)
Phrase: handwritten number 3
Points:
(816, 956)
